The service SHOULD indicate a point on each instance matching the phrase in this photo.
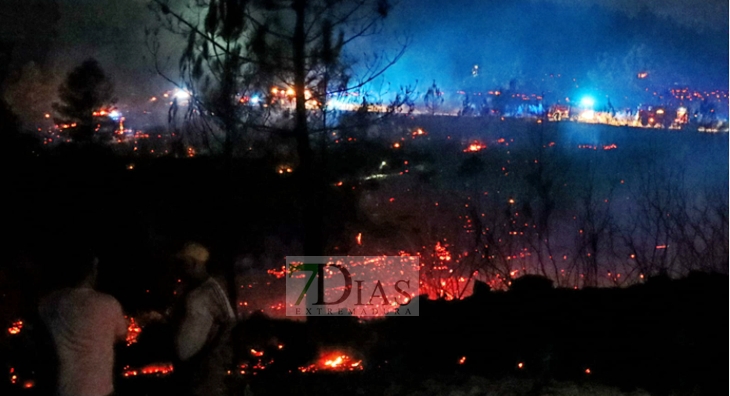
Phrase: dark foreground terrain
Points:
(662, 337)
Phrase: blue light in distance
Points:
(587, 101)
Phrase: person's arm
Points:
(194, 330)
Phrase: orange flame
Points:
(157, 369)
(15, 327)
(133, 331)
(334, 361)
(278, 273)
(442, 253)
(474, 147)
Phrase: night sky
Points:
(601, 43)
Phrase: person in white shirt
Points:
(203, 334)
(84, 325)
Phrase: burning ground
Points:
(657, 337)
(464, 195)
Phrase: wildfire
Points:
(474, 147)
(15, 327)
(442, 253)
(157, 369)
(334, 361)
(133, 331)
(278, 273)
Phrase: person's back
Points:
(85, 325)
(202, 342)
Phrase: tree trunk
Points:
(309, 184)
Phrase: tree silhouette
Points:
(433, 99)
(86, 90)
(240, 50)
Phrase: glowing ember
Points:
(278, 273)
(462, 360)
(474, 147)
(419, 132)
(133, 331)
(359, 238)
(588, 371)
(157, 369)
(337, 362)
(520, 365)
(257, 353)
(334, 361)
(442, 253)
(15, 327)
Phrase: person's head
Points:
(80, 265)
(194, 257)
